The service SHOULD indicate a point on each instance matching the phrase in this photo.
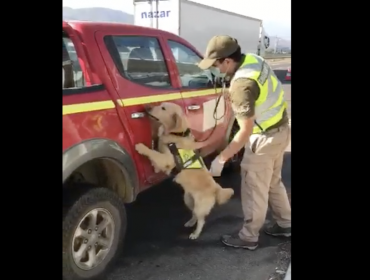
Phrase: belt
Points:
(273, 130)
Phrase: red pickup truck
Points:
(110, 73)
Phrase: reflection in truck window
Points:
(139, 59)
(187, 64)
(72, 75)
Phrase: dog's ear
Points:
(175, 122)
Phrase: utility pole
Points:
(277, 39)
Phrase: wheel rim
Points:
(93, 238)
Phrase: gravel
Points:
(283, 261)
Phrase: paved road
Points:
(280, 64)
(158, 248)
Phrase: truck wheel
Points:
(233, 164)
(94, 227)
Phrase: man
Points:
(259, 107)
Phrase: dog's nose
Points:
(148, 108)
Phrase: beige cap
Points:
(220, 46)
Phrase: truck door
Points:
(141, 77)
(208, 122)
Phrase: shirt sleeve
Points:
(243, 95)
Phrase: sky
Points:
(276, 14)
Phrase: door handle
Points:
(193, 107)
(137, 115)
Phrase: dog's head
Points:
(170, 115)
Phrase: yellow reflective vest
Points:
(271, 103)
(190, 159)
(186, 159)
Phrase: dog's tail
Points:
(223, 195)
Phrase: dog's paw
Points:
(193, 236)
(140, 148)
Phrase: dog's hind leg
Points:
(189, 202)
(202, 207)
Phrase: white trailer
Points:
(197, 23)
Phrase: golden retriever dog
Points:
(201, 190)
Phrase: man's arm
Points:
(243, 95)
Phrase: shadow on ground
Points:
(158, 248)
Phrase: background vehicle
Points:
(110, 72)
(197, 23)
(288, 76)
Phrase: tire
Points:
(82, 204)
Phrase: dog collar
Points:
(183, 134)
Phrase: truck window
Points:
(72, 75)
(187, 64)
(139, 59)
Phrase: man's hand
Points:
(216, 167)
(239, 140)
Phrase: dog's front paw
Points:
(193, 236)
(140, 148)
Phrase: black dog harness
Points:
(185, 159)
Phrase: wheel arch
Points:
(102, 162)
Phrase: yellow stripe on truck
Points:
(196, 93)
(164, 97)
(103, 105)
(87, 107)
(149, 99)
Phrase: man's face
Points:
(226, 66)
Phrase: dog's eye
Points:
(163, 108)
